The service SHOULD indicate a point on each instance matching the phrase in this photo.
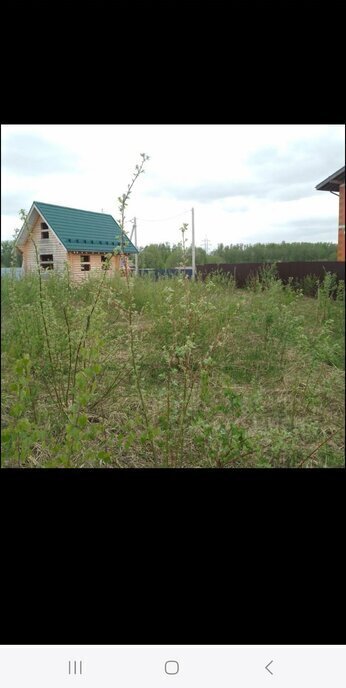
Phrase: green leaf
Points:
(103, 455)
(82, 421)
(16, 410)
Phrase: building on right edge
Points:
(336, 185)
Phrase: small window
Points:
(46, 261)
(85, 263)
(104, 262)
(45, 234)
(44, 225)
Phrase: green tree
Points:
(175, 258)
(9, 255)
(200, 254)
(154, 256)
(271, 252)
(160, 256)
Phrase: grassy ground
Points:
(171, 374)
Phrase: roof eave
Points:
(22, 238)
(332, 182)
(329, 186)
(81, 249)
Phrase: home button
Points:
(171, 667)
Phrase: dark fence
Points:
(169, 272)
(297, 270)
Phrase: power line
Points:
(163, 219)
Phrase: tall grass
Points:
(171, 373)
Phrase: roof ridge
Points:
(67, 207)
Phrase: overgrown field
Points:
(136, 373)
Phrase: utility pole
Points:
(193, 245)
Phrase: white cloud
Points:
(247, 183)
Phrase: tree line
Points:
(161, 256)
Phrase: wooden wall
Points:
(44, 246)
(74, 262)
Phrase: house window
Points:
(46, 261)
(44, 231)
(104, 262)
(85, 263)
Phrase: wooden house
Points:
(79, 239)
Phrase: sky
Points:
(246, 183)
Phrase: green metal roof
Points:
(82, 230)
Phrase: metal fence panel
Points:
(12, 272)
(296, 270)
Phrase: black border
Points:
(189, 62)
(173, 556)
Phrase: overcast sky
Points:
(247, 183)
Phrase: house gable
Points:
(50, 246)
(33, 217)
